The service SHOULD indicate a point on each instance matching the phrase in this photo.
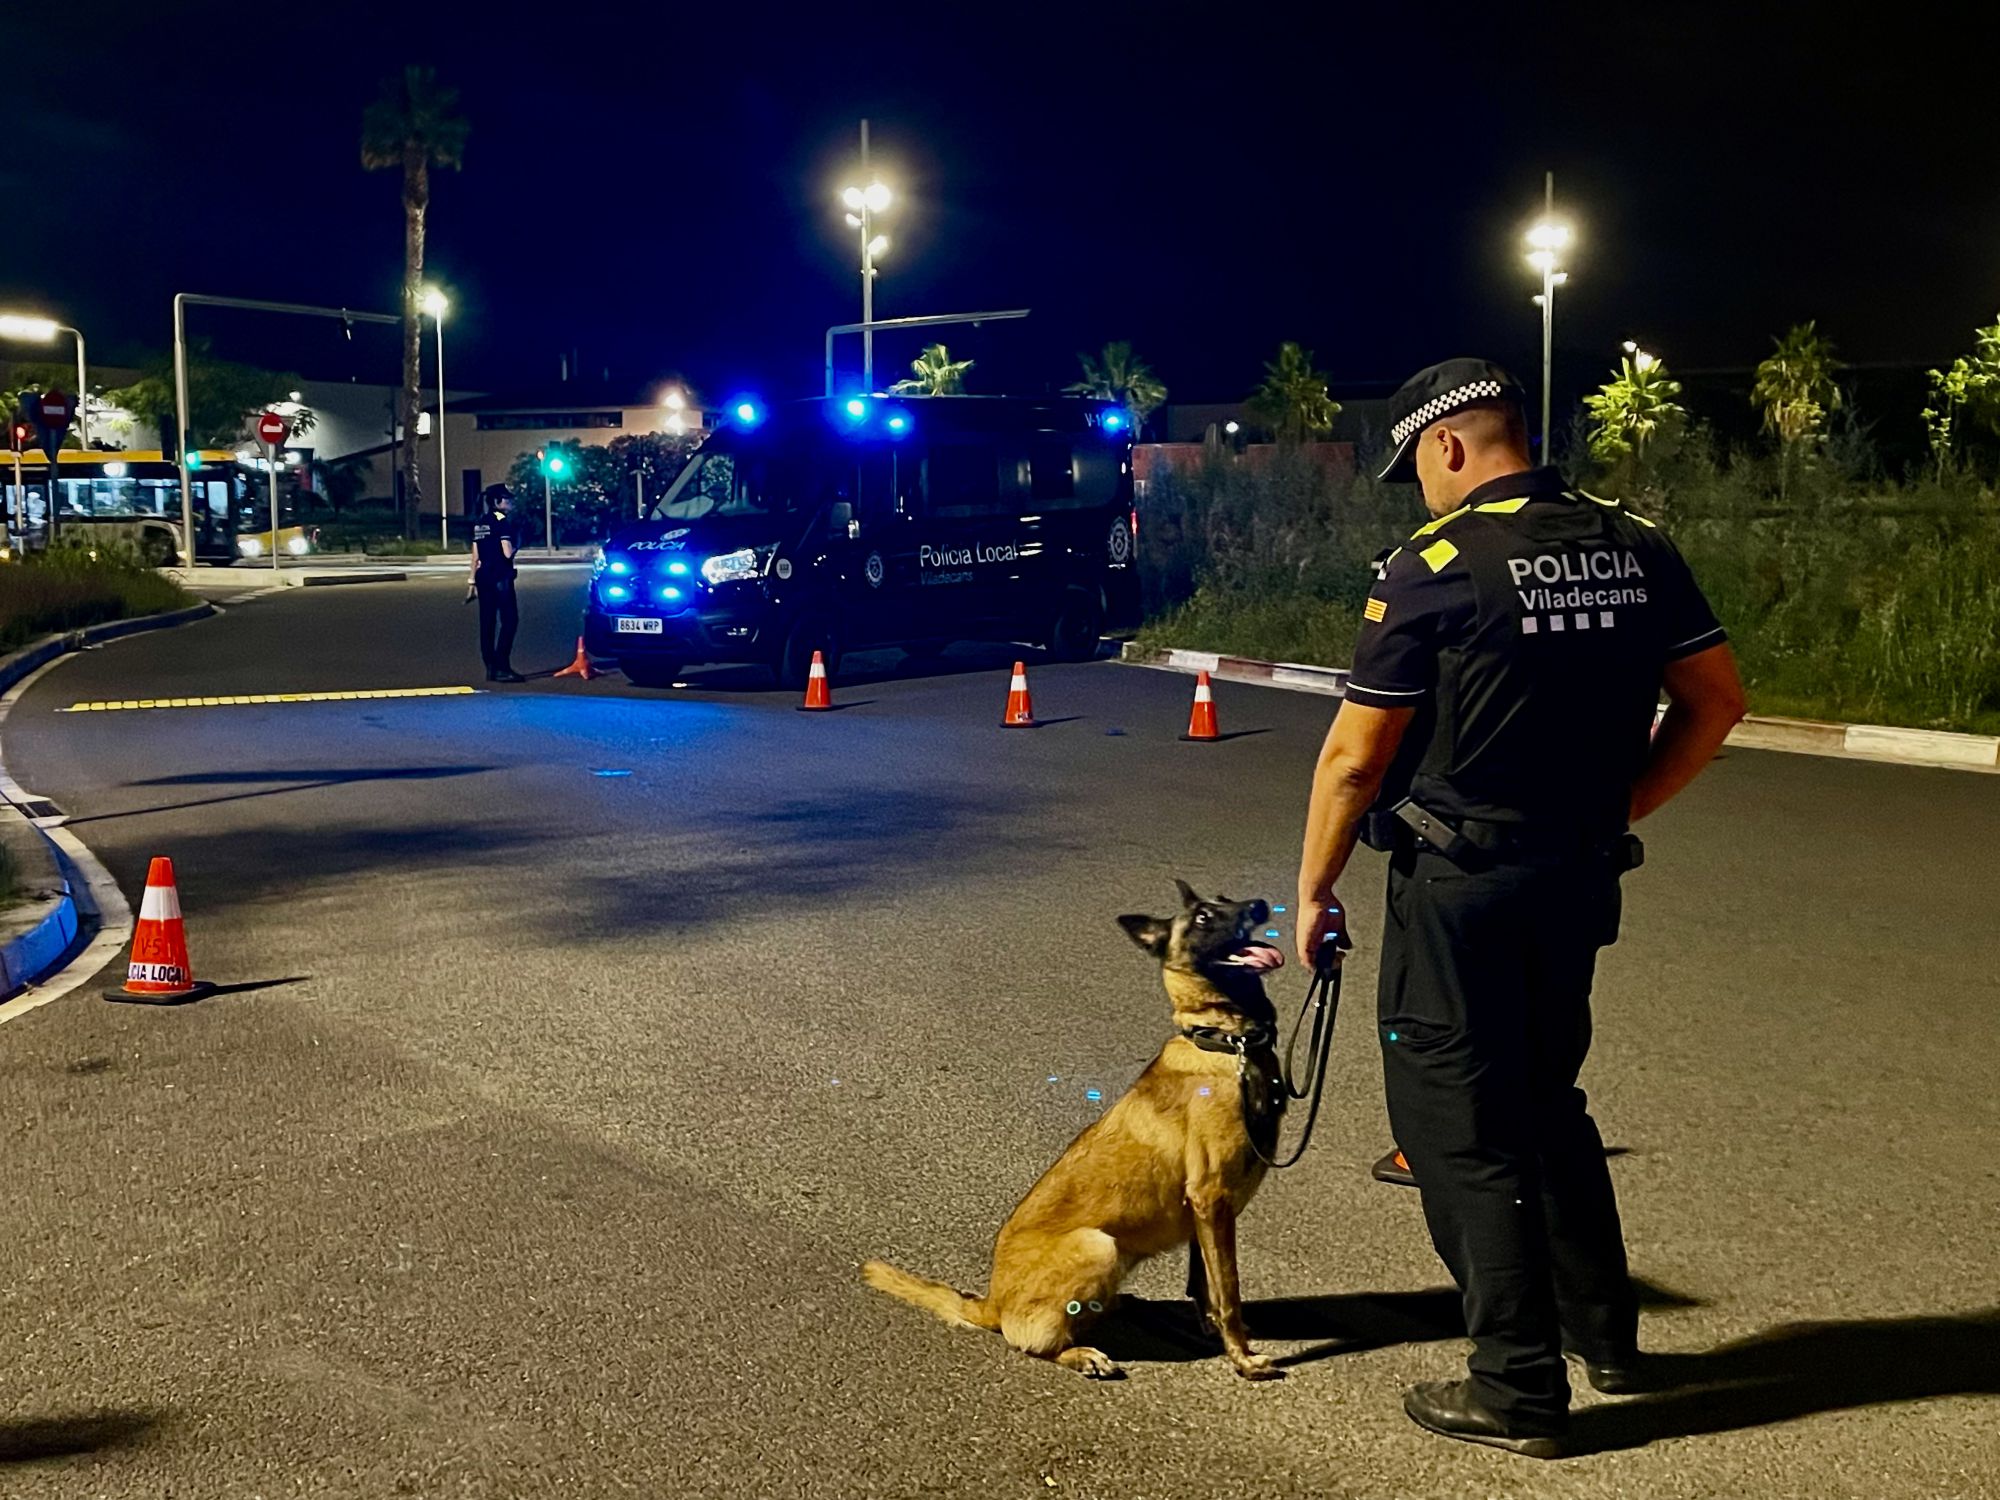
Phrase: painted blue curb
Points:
(30, 957)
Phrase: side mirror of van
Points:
(840, 518)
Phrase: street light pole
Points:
(435, 304)
(1548, 237)
(82, 387)
(863, 203)
(867, 273)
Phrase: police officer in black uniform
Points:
(1497, 737)
(492, 578)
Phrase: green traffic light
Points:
(555, 463)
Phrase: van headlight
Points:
(733, 567)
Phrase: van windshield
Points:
(719, 482)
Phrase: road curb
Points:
(38, 653)
(312, 578)
(36, 936)
(1880, 742)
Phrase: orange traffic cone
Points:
(1201, 723)
(581, 667)
(159, 973)
(1394, 1169)
(818, 694)
(1020, 707)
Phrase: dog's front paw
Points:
(1094, 1364)
(1256, 1367)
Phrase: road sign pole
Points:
(272, 450)
(17, 508)
(548, 512)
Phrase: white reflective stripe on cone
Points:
(161, 903)
(1019, 685)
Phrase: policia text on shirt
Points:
(1497, 740)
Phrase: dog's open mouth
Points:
(1258, 956)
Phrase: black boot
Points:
(1450, 1408)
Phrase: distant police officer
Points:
(492, 577)
(1495, 738)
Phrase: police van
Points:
(913, 521)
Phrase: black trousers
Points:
(499, 618)
(1484, 1011)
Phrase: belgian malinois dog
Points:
(1171, 1161)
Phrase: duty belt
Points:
(1478, 842)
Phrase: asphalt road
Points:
(603, 1032)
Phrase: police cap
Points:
(495, 493)
(1433, 394)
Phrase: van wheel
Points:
(1078, 623)
(649, 671)
(813, 631)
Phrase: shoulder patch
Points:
(1444, 520)
(1438, 553)
(1374, 610)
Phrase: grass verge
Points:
(68, 588)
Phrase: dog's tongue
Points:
(1259, 956)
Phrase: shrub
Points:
(74, 585)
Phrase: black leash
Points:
(1323, 1004)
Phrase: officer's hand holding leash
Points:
(1321, 923)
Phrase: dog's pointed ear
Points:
(1188, 897)
(1150, 933)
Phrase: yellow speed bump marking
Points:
(113, 704)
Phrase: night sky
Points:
(655, 185)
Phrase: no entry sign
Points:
(273, 428)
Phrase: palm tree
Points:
(1293, 400)
(1119, 375)
(1632, 410)
(934, 373)
(1796, 389)
(413, 124)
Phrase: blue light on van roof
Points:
(747, 410)
(1115, 420)
(857, 408)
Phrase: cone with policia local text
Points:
(818, 693)
(1201, 722)
(159, 973)
(1020, 707)
(581, 667)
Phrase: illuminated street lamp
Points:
(437, 304)
(43, 331)
(863, 203)
(676, 404)
(1546, 242)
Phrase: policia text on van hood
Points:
(1497, 738)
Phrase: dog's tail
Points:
(932, 1296)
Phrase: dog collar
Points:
(1215, 1039)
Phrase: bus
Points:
(863, 521)
(135, 497)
